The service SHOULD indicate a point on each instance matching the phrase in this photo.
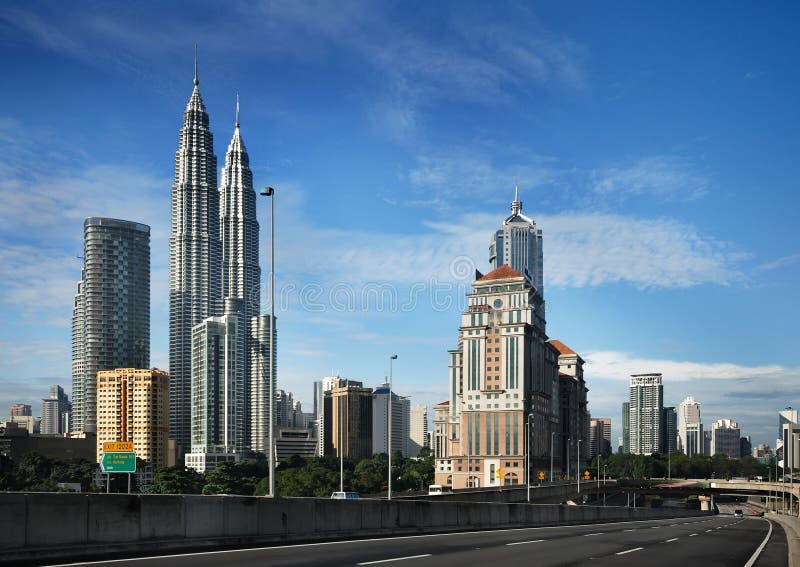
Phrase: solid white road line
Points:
(671, 540)
(758, 551)
(598, 533)
(630, 550)
(524, 542)
(393, 559)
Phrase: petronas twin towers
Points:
(214, 270)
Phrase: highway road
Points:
(720, 540)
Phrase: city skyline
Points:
(661, 181)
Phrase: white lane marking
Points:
(655, 527)
(709, 531)
(671, 540)
(629, 530)
(692, 535)
(350, 541)
(524, 542)
(393, 559)
(758, 551)
(598, 533)
(630, 550)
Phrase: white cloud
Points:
(668, 177)
(750, 395)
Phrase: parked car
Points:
(737, 513)
(345, 495)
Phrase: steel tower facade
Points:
(194, 255)
(241, 274)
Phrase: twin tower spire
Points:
(213, 259)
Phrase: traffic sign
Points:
(118, 447)
(541, 475)
(586, 475)
(500, 473)
(118, 463)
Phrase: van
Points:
(438, 490)
(345, 495)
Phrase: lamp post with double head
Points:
(270, 192)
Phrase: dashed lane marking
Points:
(393, 559)
(630, 550)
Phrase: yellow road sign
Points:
(541, 475)
(118, 447)
(500, 473)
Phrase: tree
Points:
(370, 475)
(234, 478)
(177, 480)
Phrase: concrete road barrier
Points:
(36, 526)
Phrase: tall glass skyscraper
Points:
(194, 255)
(241, 274)
(111, 314)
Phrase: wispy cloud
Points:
(469, 172)
(780, 263)
(667, 177)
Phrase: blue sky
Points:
(655, 144)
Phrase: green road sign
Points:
(118, 463)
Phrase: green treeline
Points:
(317, 476)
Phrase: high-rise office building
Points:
(320, 387)
(263, 359)
(599, 437)
(132, 406)
(194, 256)
(218, 384)
(669, 430)
(504, 382)
(646, 406)
(348, 419)
(725, 438)
(20, 410)
(241, 274)
(745, 446)
(111, 314)
(690, 428)
(626, 427)
(418, 430)
(401, 415)
(55, 411)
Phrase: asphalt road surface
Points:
(721, 540)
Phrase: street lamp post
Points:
(270, 192)
(528, 456)
(604, 484)
(341, 452)
(552, 436)
(578, 466)
(389, 433)
(569, 446)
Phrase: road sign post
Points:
(118, 463)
